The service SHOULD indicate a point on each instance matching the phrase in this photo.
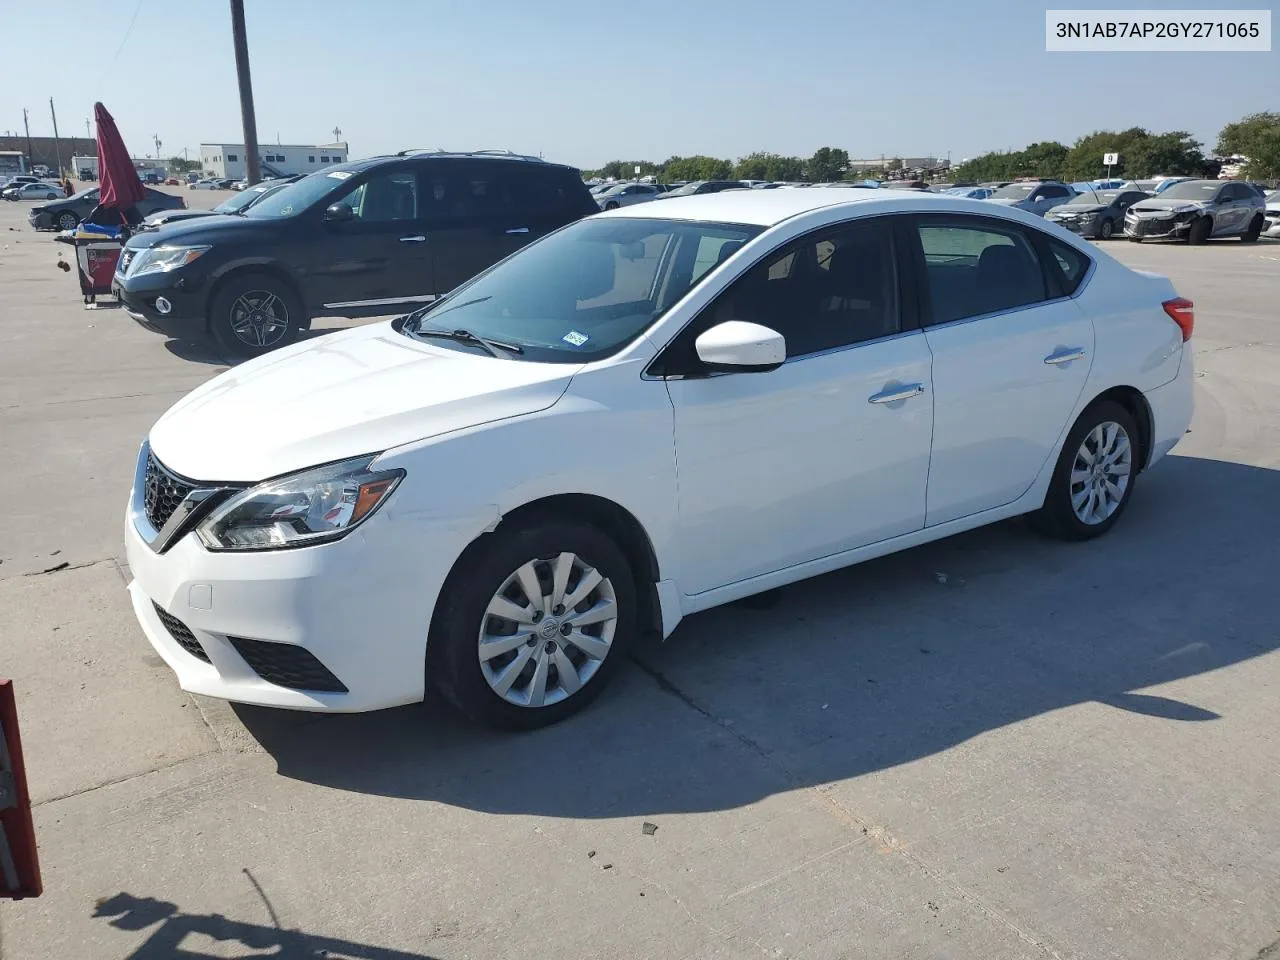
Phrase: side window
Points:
(711, 252)
(385, 197)
(465, 193)
(1056, 192)
(536, 194)
(1073, 264)
(829, 290)
(976, 269)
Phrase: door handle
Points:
(518, 230)
(418, 239)
(1065, 355)
(897, 393)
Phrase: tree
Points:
(624, 169)
(695, 168)
(1174, 154)
(829, 163)
(998, 165)
(1045, 159)
(1257, 137)
(768, 166)
(179, 165)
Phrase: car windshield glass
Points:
(90, 194)
(1273, 196)
(1094, 197)
(247, 197)
(1014, 191)
(585, 291)
(1192, 190)
(299, 195)
(684, 191)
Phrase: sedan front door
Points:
(824, 454)
(1011, 355)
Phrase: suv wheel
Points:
(1255, 230)
(254, 313)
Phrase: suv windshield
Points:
(299, 195)
(1014, 191)
(585, 291)
(1192, 190)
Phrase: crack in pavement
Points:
(887, 842)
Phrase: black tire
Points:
(282, 318)
(1199, 231)
(1057, 517)
(1106, 229)
(1254, 232)
(611, 205)
(66, 221)
(51, 196)
(453, 661)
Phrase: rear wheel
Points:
(51, 196)
(1199, 231)
(255, 313)
(532, 624)
(1254, 231)
(1094, 476)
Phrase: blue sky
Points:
(586, 82)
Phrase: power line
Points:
(127, 30)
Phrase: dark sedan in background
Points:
(1097, 214)
(65, 214)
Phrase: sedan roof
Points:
(769, 207)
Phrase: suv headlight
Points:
(163, 259)
(314, 506)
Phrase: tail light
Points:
(1183, 313)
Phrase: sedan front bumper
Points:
(1156, 228)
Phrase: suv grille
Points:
(162, 492)
(287, 665)
(181, 633)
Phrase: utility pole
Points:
(252, 166)
(27, 127)
(337, 134)
(156, 138)
(57, 144)
(87, 134)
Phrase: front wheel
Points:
(1199, 231)
(611, 205)
(1107, 228)
(532, 624)
(67, 221)
(254, 314)
(1254, 232)
(1094, 476)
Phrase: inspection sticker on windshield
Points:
(340, 174)
(575, 338)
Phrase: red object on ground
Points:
(119, 183)
(17, 832)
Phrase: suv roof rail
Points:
(414, 151)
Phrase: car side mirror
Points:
(339, 213)
(740, 347)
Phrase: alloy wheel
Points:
(259, 318)
(547, 630)
(1100, 473)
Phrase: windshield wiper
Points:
(466, 336)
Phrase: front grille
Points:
(181, 633)
(162, 492)
(287, 665)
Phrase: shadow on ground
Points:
(179, 934)
(860, 670)
(207, 350)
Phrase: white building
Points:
(277, 159)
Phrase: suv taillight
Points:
(1183, 313)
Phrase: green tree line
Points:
(828, 163)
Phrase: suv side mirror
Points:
(339, 213)
(740, 347)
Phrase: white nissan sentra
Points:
(650, 412)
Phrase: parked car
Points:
(1165, 183)
(1033, 196)
(33, 191)
(87, 175)
(972, 193)
(1098, 214)
(151, 179)
(378, 536)
(626, 194)
(65, 212)
(700, 187)
(206, 184)
(1271, 216)
(241, 201)
(355, 239)
(171, 181)
(1197, 210)
(18, 180)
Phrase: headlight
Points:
(315, 506)
(164, 259)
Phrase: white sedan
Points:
(34, 191)
(648, 413)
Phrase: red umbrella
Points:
(119, 185)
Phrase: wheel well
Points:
(619, 523)
(270, 270)
(1136, 404)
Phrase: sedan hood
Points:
(1006, 201)
(1068, 209)
(1163, 204)
(358, 391)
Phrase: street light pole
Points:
(253, 171)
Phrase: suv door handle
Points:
(518, 230)
(894, 394)
(417, 239)
(1065, 355)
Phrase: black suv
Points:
(366, 238)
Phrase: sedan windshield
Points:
(1014, 191)
(1192, 190)
(1095, 197)
(246, 198)
(299, 195)
(585, 291)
